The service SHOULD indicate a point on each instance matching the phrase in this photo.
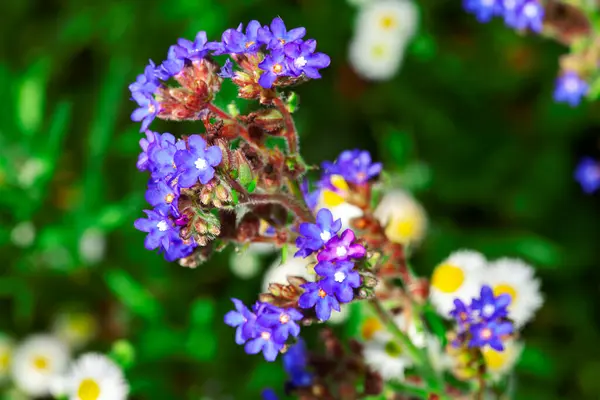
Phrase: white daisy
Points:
(439, 359)
(335, 201)
(388, 18)
(36, 362)
(415, 333)
(402, 216)
(459, 276)
(7, 346)
(384, 355)
(244, 264)
(516, 278)
(75, 328)
(376, 57)
(499, 363)
(95, 377)
(294, 266)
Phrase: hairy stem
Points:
(290, 129)
(291, 203)
(242, 129)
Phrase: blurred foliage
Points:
(469, 123)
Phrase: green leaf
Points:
(292, 102)
(161, 341)
(535, 361)
(435, 324)
(201, 344)
(123, 353)
(284, 253)
(133, 294)
(31, 98)
(202, 312)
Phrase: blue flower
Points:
(321, 296)
(266, 342)
(269, 394)
(147, 111)
(178, 248)
(342, 248)
(227, 70)
(143, 163)
(234, 41)
(172, 65)
(587, 174)
(197, 163)
(311, 198)
(281, 321)
(163, 197)
(490, 307)
(274, 65)
(193, 51)
(484, 10)
(159, 228)
(161, 157)
(278, 35)
(303, 59)
(314, 236)
(570, 88)
(490, 333)
(523, 14)
(243, 319)
(295, 362)
(146, 83)
(341, 276)
(462, 314)
(354, 166)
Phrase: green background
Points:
(469, 123)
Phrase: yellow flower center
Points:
(151, 108)
(88, 390)
(486, 333)
(402, 230)
(249, 44)
(378, 51)
(322, 293)
(392, 349)
(494, 359)
(388, 22)
(332, 199)
(504, 288)
(447, 278)
(41, 363)
(370, 326)
(339, 183)
(277, 68)
(169, 198)
(284, 318)
(4, 360)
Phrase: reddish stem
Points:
(290, 129)
(242, 129)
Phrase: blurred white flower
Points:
(244, 264)
(7, 346)
(499, 363)
(36, 362)
(338, 317)
(440, 360)
(384, 355)
(294, 266)
(95, 377)
(388, 18)
(92, 246)
(375, 57)
(459, 276)
(415, 333)
(334, 201)
(516, 278)
(32, 169)
(76, 329)
(403, 217)
(23, 234)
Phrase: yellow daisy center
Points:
(378, 51)
(370, 326)
(447, 278)
(494, 359)
(41, 363)
(4, 360)
(505, 288)
(402, 230)
(333, 198)
(388, 22)
(392, 349)
(169, 198)
(277, 68)
(88, 390)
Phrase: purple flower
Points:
(320, 295)
(354, 166)
(196, 163)
(484, 10)
(587, 174)
(274, 65)
(523, 14)
(178, 247)
(172, 65)
(146, 83)
(278, 35)
(194, 51)
(489, 307)
(314, 236)
(269, 394)
(234, 41)
(462, 314)
(161, 157)
(147, 111)
(281, 321)
(243, 319)
(490, 333)
(342, 277)
(227, 70)
(303, 59)
(143, 163)
(159, 228)
(163, 197)
(570, 88)
(311, 198)
(295, 362)
(266, 342)
(342, 248)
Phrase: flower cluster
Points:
(174, 165)
(518, 14)
(267, 55)
(265, 329)
(484, 321)
(295, 364)
(570, 88)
